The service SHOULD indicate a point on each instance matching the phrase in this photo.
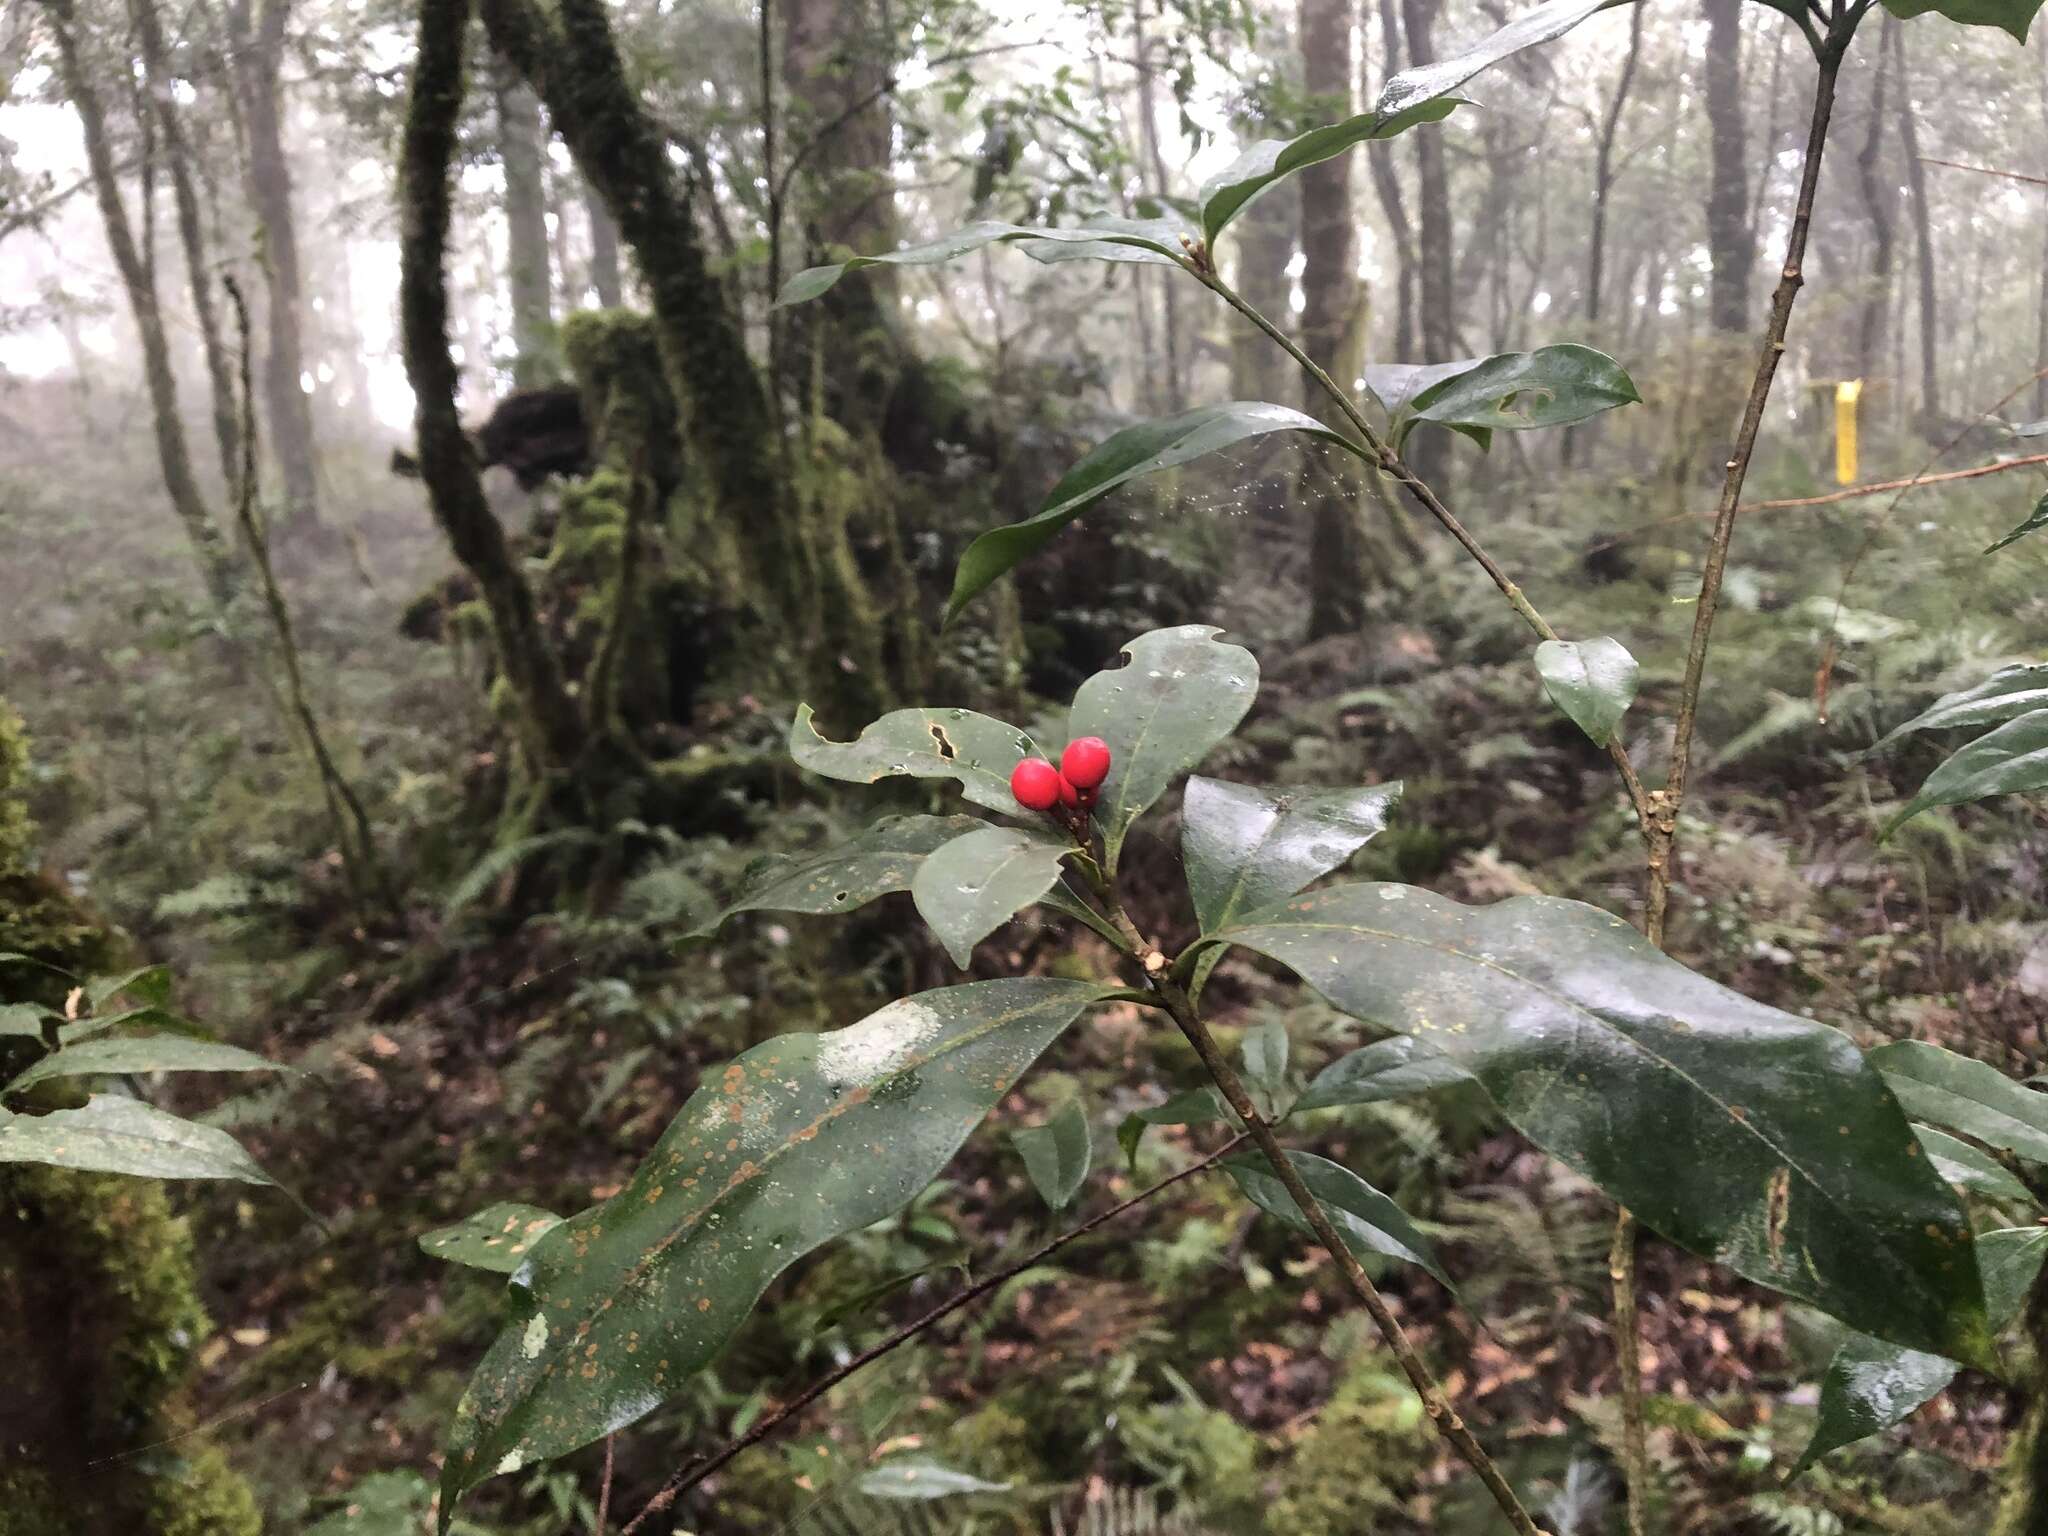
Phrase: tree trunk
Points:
(522, 146)
(191, 234)
(1264, 235)
(257, 47)
(1386, 184)
(553, 726)
(1923, 228)
(1174, 393)
(174, 455)
(1731, 239)
(1436, 286)
(1603, 169)
(807, 593)
(604, 252)
(1879, 194)
(1329, 282)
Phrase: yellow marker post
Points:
(1846, 395)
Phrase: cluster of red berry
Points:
(1039, 786)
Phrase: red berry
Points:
(1085, 763)
(1070, 797)
(1036, 784)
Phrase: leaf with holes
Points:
(975, 884)
(1247, 848)
(497, 1238)
(1964, 1095)
(112, 1134)
(1145, 449)
(796, 1142)
(1141, 240)
(974, 751)
(1056, 1154)
(1398, 1068)
(153, 1053)
(1367, 1220)
(1270, 161)
(1871, 1385)
(884, 858)
(1180, 692)
(1540, 24)
(1761, 1140)
(1592, 681)
(1552, 386)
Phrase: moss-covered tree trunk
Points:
(258, 55)
(553, 725)
(99, 1316)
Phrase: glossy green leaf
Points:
(1747, 1135)
(1970, 1168)
(151, 983)
(112, 1134)
(2035, 522)
(2007, 761)
(918, 1477)
(24, 1019)
(1538, 25)
(884, 858)
(977, 883)
(1871, 1385)
(1262, 1064)
(1963, 1095)
(1143, 240)
(1145, 449)
(2005, 695)
(497, 1238)
(1230, 191)
(1395, 385)
(1057, 1154)
(799, 1140)
(154, 1053)
(1191, 1106)
(1387, 1069)
(2014, 16)
(1592, 681)
(974, 751)
(1247, 848)
(1180, 693)
(1550, 387)
(1368, 1221)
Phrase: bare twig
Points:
(604, 1489)
(1985, 170)
(692, 1473)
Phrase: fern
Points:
(1784, 1516)
(503, 860)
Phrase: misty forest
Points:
(1023, 767)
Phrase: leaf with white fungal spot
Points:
(796, 1142)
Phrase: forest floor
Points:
(493, 1046)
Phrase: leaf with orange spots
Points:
(1753, 1137)
(498, 1238)
(800, 1140)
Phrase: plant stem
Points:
(1379, 456)
(1663, 830)
(691, 1474)
(1174, 999)
(1635, 1449)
